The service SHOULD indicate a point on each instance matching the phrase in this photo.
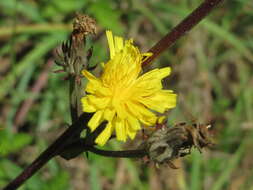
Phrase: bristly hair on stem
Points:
(186, 25)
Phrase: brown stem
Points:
(182, 28)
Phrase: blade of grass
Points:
(217, 30)
(46, 109)
(132, 170)
(19, 94)
(151, 16)
(94, 178)
(35, 29)
(35, 54)
(5, 49)
(232, 164)
(195, 171)
(30, 10)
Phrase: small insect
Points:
(169, 143)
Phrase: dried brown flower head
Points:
(169, 143)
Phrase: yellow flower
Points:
(123, 97)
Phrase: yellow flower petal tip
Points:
(122, 96)
(161, 119)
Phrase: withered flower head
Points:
(84, 24)
(169, 143)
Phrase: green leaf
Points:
(45, 45)
(94, 178)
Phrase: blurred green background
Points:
(212, 73)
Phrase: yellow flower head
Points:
(123, 97)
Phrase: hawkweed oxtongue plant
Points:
(102, 111)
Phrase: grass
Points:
(211, 72)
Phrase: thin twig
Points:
(182, 28)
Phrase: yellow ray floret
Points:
(123, 97)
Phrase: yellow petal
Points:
(164, 72)
(142, 113)
(110, 43)
(88, 75)
(120, 110)
(161, 119)
(104, 136)
(131, 132)
(94, 85)
(109, 114)
(153, 78)
(120, 129)
(95, 120)
(118, 43)
(171, 100)
(156, 74)
(100, 102)
(87, 107)
(133, 123)
(159, 101)
(146, 56)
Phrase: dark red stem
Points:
(182, 28)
